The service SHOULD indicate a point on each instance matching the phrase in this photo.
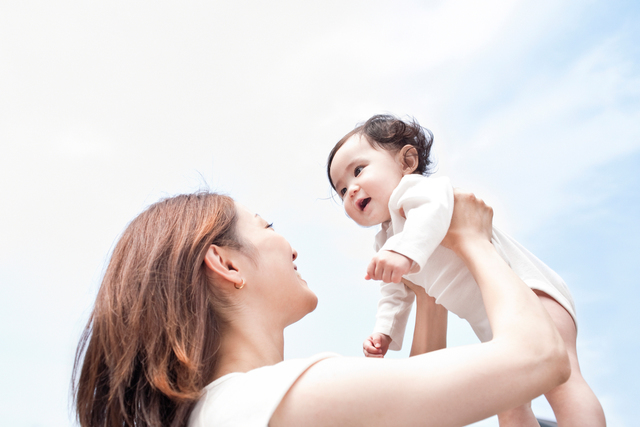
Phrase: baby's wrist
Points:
(381, 335)
(404, 256)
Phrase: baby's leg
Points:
(522, 416)
(573, 402)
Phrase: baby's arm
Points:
(376, 345)
(421, 210)
(430, 331)
(393, 312)
(388, 266)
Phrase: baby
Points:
(380, 170)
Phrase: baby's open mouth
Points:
(363, 203)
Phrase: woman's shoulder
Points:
(249, 398)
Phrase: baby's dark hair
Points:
(390, 133)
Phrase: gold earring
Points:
(235, 285)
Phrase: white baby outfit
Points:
(249, 399)
(427, 204)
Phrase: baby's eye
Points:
(357, 170)
(343, 192)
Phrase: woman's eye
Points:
(270, 225)
(357, 170)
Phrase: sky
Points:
(107, 107)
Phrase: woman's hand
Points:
(471, 221)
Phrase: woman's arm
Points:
(449, 387)
(430, 332)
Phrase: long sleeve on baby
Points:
(421, 211)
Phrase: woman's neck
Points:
(245, 348)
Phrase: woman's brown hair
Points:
(150, 344)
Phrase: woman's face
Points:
(275, 278)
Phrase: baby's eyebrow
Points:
(348, 168)
(355, 161)
(337, 183)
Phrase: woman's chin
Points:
(312, 303)
(315, 303)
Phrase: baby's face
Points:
(364, 178)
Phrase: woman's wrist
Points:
(469, 249)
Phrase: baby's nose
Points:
(353, 190)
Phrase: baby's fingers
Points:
(372, 352)
(387, 274)
(371, 271)
(396, 275)
(393, 274)
(370, 348)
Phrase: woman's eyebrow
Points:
(258, 216)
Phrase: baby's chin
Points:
(369, 223)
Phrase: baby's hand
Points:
(376, 345)
(388, 266)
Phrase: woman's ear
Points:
(219, 262)
(408, 158)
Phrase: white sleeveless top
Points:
(249, 399)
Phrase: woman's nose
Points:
(295, 254)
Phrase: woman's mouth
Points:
(363, 203)
(295, 268)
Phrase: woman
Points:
(197, 295)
